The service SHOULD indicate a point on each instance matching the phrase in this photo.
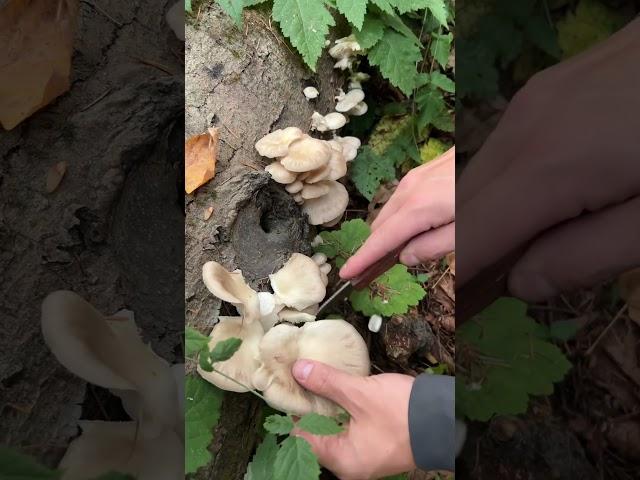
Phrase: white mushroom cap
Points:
(105, 447)
(317, 240)
(314, 190)
(335, 120)
(334, 222)
(350, 146)
(294, 316)
(311, 92)
(375, 322)
(319, 258)
(276, 143)
(294, 187)
(345, 47)
(344, 63)
(269, 309)
(337, 162)
(242, 365)
(298, 283)
(298, 198)
(231, 287)
(175, 19)
(318, 123)
(359, 109)
(317, 175)
(280, 174)
(334, 342)
(306, 154)
(328, 207)
(350, 100)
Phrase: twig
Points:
(107, 92)
(440, 278)
(151, 63)
(606, 330)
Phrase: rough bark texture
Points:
(247, 83)
(99, 233)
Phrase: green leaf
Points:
(383, 5)
(397, 57)
(371, 32)
(432, 150)
(279, 424)
(441, 48)
(442, 81)
(437, 8)
(319, 424)
(353, 10)
(395, 22)
(369, 170)
(543, 36)
(341, 244)
(203, 402)
(194, 341)
(187, 6)
(507, 358)
(233, 8)
(563, 330)
(17, 466)
(261, 467)
(225, 349)
(296, 461)
(251, 3)
(391, 294)
(306, 24)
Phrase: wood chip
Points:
(200, 152)
(207, 213)
(55, 176)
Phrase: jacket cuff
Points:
(432, 422)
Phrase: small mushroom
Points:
(359, 110)
(317, 175)
(337, 162)
(334, 342)
(319, 258)
(345, 50)
(311, 93)
(231, 287)
(298, 284)
(314, 190)
(280, 174)
(317, 240)
(350, 100)
(306, 154)
(328, 207)
(335, 120)
(243, 364)
(294, 187)
(269, 309)
(355, 80)
(375, 322)
(298, 198)
(295, 316)
(350, 146)
(276, 143)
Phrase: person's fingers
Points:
(330, 383)
(435, 243)
(579, 253)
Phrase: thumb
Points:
(328, 382)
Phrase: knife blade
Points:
(362, 280)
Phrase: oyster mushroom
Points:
(350, 100)
(276, 143)
(334, 342)
(311, 93)
(298, 284)
(269, 309)
(280, 174)
(294, 187)
(314, 190)
(329, 207)
(306, 154)
(295, 316)
(331, 121)
(231, 287)
(359, 109)
(242, 365)
(350, 146)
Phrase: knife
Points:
(362, 280)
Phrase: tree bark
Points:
(246, 83)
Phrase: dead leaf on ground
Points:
(55, 176)
(36, 68)
(451, 261)
(200, 152)
(630, 291)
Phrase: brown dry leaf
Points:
(36, 65)
(381, 197)
(55, 175)
(200, 154)
(451, 261)
(630, 291)
(207, 213)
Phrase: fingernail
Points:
(409, 259)
(531, 286)
(302, 370)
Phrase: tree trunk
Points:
(247, 83)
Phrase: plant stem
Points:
(239, 383)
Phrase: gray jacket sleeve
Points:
(432, 422)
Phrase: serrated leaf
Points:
(17, 466)
(437, 8)
(391, 294)
(203, 402)
(353, 10)
(341, 244)
(261, 466)
(319, 424)
(441, 48)
(397, 57)
(371, 32)
(442, 81)
(225, 349)
(194, 341)
(279, 424)
(296, 461)
(233, 8)
(384, 5)
(306, 24)
(395, 22)
(369, 170)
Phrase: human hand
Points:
(376, 442)
(423, 209)
(560, 174)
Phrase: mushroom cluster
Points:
(310, 168)
(271, 343)
(109, 352)
(345, 50)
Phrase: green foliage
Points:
(296, 461)
(341, 244)
(16, 466)
(563, 330)
(370, 170)
(437, 8)
(319, 424)
(306, 24)
(441, 48)
(391, 294)
(503, 358)
(371, 31)
(233, 8)
(279, 424)
(261, 466)
(432, 149)
(397, 57)
(222, 351)
(202, 412)
(194, 341)
(353, 10)
(187, 6)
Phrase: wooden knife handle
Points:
(378, 268)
